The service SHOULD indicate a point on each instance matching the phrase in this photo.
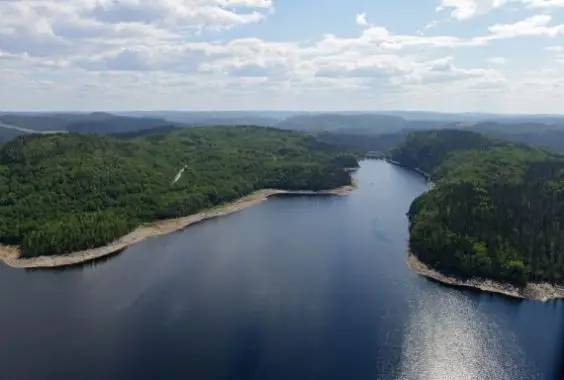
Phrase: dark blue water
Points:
(294, 288)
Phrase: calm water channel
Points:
(294, 288)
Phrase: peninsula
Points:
(493, 219)
(70, 198)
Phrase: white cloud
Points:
(466, 9)
(431, 25)
(532, 26)
(55, 24)
(361, 19)
(444, 70)
(181, 13)
(138, 53)
(544, 3)
(379, 39)
(498, 60)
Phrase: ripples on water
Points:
(448, 338)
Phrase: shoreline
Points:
(427, 176)
(543, 292)
(11, 254)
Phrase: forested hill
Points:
(66, 192)
(497, 210)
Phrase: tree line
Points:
(496, 210)
(69, 192)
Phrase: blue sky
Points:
(502, 56)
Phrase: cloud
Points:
(540, 85)
(559, 53)
(361, 19)
(403, 71)
(182, 58)
(431, 25)
(379, 39)
(140, 43)
(215, 14)
(532, 26)
(138, 53)
(544, 3)
(498, 60)
(51, 25)
(444, 70)
(467, 9)
(258, 71)
(376, 66)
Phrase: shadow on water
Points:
(559, 358)
(474, 291)
(82, 265)
(101, 260)
(302, 195)
(379, 231)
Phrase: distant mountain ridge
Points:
(13, 125)
(346, 127)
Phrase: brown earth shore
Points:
(534, 291)
(11, 254)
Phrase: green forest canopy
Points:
(67, 192)
(496, 211)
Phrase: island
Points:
(70, 198)
(493, 219)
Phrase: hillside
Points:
(363, 143)
(360, 131)
(9, 132)
(496, 211)
(365, 124)
(67, 192)
(375, 131)
(536, 134)
(207, 118)
(96, 122)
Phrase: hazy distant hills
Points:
(355, 129)
(356, 123)
(474, 117)
(12, 125)
(15, 124)
(350, 123)
(100, 122)
(214, 118)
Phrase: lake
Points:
(294, 288)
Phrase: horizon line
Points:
(55, 111)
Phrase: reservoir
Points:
(294, 288)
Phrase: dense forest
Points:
(497, 209)
(65, 192)
(362, 142)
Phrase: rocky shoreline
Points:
(11, 254)
(533, 291)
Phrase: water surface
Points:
(294, 288)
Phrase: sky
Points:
(503, 56)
